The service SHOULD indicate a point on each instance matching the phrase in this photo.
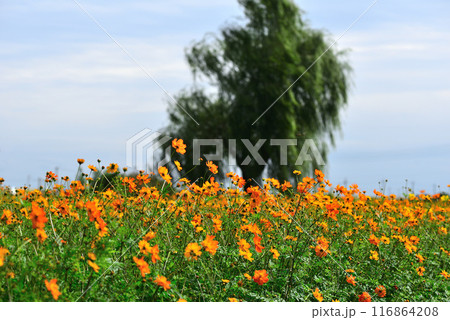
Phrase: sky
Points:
(67, 91)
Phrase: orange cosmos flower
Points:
(373, 255)
(37, 216)
(257, 241)
(233, 300)
(414, 240)
(143, 179)
(410, 247)
(374, 240)
(149, 236)
(144, 247)
(286, 185)
(243, 245)
(1, 180)
(41, 235)
(381, 291)
(420, 271)
(420, 258)
(162, 282)
(179, 146)
(182, 300)
(212, 167)
(93, 265)
(112, 168)
(275, 183)
(192, 251)
(246, 254)
(275, 252)
(320, 251)
(154, 251)
(260, 277)
(351, 280)
(80, 161)
(93, 210)
(3, 253)
(142, 265)
(53, 288)
(177, 163)
(7, 215)
(247, 276)
(210, 245)
(101, 225)
(445, 251)
(385, 240)
(196, 220)
(92, 168)
(217, 223)
(92, 256)
(164, 173)
(444, 273)
(318, 295)
(252, 228)
(319, 175)
(50, 176)
(365, 297)
(322, 247)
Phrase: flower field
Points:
(205, 241)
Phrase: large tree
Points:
(250, 66)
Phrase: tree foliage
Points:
(250, 66)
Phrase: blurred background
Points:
(67, 91)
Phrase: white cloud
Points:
(90, 82)
(90, 99)
(168, 7)
(398, 42)
(396, 123)
(89, 63)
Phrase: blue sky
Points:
(67, 91)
